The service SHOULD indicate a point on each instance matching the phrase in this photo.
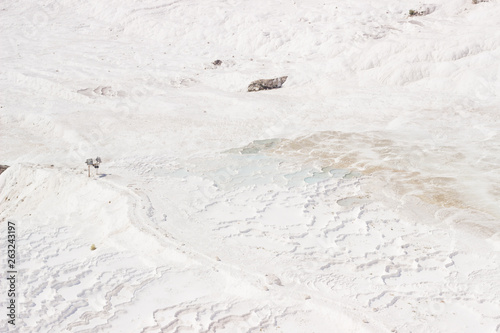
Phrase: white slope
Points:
(360, 197)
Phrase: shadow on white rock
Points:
(101, 91)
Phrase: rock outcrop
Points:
(3, 168)
(267, 84)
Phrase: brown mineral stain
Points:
(395, 162)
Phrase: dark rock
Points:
(3, 168)
(267, 84)
(423, 10)
(217, 62)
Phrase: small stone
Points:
(217, 62)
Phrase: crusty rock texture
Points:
(264, 84)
